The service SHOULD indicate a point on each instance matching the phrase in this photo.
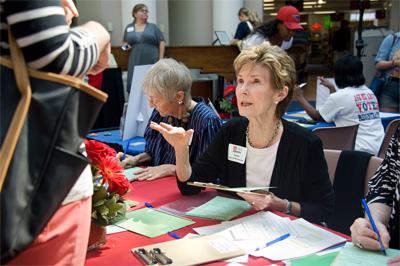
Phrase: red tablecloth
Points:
(117, 250)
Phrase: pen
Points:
(125, 150)
(148, 205)
(371, 220)
(276, 240)
(174, 235)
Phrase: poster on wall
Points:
(138, 111)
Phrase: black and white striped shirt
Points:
(45, 39)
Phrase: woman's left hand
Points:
(155, 172)
(70, 10)
(268, 202)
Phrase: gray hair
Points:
(167, 77)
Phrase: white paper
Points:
(323, 93)
(240, 259)
(112, 229)
(138, 113)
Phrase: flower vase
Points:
(97, 236)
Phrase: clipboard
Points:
(195, 251)
(250, 190)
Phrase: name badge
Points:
(129, 29)
(237, 153)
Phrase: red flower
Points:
(113, 174)
(97, 150)
(229, 90)
(234, 101)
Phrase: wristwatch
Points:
(288, 207)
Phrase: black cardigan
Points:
(300, 172)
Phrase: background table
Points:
(112, 137)
(117, 250)
(299, 117)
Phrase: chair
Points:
(337, 138)
(390, 129)
(350, 185)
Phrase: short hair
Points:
(136, 8)
(280, 65)
(167, 77)
(348, 72)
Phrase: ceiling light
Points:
(324, 12)
(310, 3)
(269, 8)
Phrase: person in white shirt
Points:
(353, 103)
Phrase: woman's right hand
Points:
(364, 236)
(128, 160)
(177, 137)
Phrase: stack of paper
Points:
(256, 230)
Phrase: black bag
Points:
(40, 138)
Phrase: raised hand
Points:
(177, 137)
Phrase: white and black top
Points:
(49, 44)
(384, 187)
(45, 39)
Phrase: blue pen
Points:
(174, 235)
(125, 150)
(276, 240)
(371, 220)
(148, 205)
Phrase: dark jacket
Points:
(300, 172)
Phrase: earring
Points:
(180, 102)
(276, 102)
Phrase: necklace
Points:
(276, 131)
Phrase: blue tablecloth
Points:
(113, 138)
(301, 118)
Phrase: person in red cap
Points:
(278, 31)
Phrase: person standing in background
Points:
(341, 41)
(278, 31)
(388, 60)
(42, 32)
(248, 21)
(146, 41)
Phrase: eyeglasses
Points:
(144, 10)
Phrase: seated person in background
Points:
(278, 31)
(260, 149)
(384, 202)
(248, 20)
(167, 85)
(353, 103)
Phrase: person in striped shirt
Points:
(167, 86)
(42, 32)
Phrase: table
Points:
(117, 250)
(112, 137)
(300, 117)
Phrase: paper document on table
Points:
(323, 93)
(251, 190)
(220, 208)
(152, 223)
(309, 239)
(351, 255)
(130, 173)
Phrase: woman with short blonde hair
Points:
(260, 149)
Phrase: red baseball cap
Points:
(290, 17)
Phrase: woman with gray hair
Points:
(167, 86)
(261, 149)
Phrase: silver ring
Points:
(358, 244)
(149, 175)
(252, 203)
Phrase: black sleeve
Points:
(209, 166)
(242, 31)
(318, 200)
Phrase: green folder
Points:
(352, 255)
(152, 222)
(315, 260)
(220, 208)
